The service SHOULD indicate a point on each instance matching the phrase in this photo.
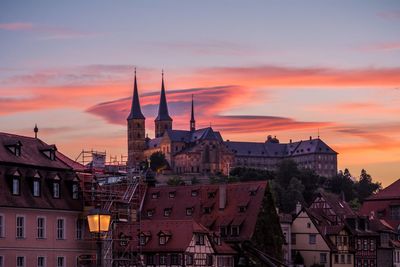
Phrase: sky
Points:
(290, 69)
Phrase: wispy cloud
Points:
(46, 32)
(392, 15)
(388, 46)
(16, 26)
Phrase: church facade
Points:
(203, 151)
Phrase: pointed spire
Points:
(192, 120)
(136, 112)
(163, 107)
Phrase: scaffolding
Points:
(121, 193)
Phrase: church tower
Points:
(163, 121)
(136, 131)
(192, 120)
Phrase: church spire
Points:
(192, 120)
(163, 107)
(136, 112)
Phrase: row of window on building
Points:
(40, 262)
(41, 227)
(198, 259)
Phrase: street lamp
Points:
(99, 222)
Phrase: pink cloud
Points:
(395, 14)
(16, 26)
(389, 46)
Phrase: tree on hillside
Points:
(365, 187)
(287, 169)
(343, 183)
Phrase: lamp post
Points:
(99, 222)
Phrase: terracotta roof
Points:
(390, 192)
(214, 217)
(33, 163)
(180, 234)
(31, 152)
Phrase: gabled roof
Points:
(31, 152)
(236, 194)
(390, 192)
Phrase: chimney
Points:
(290, 141)
(222, 196)
(298, 208)
(310, 137)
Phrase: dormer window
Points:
(235, 230)
(155, 195)
(195, 193)
(56, 189)
(162, 240)
(189, 211)
(50, 152)
(163, 237)
(167, 212)
(172, 194)
(207, 210)
(16, 183)
(211, 194)
(14, 148)
(36, 187)
(144, 238)
(75, 191)
(242, 208)
(150, 212)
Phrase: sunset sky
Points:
(256, 68)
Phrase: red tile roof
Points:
(180, 234)
(390, 192)
(213, 218)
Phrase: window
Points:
(2, 226)
(16, 186)
(79, 229)
(60, 261)
(40, 261)
(189, 211)
(163, 259)
(211, 194)
(150, 259)
(312, 239)
(395, 212)
(56, 190)
(142, 240)
(194, 193)
(150, 212)
(207, 210)
(75, 191)
(155, 195)
(322, 258)
(1, 261)
(209, 260)
(199, 239)
(20, 261)
(342, 257)
(60, 229)
(308, 225)
(235, 230)
(167, 212)
(336, 258)
(175, 259)
(224, 231)
(36, 188)
(293, 239)
(365, 244)
(41, 227)
(171, 194)
(348, 258)
(20, 227)
(162, 240)
(189, 259)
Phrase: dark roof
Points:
(136, 112)
(33, 163)
(273, 149)
(237, 195)
(163, 107)
(180, 234)
(390, 192)
(31, 152)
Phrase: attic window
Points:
(155, 195)
(235, 230)
(15, 148)
(50, 152)
(308, 149)
(207, 210)
(167, 212)
(195, 193)
(211, 194)
(253, 192)
(262, 152)
(162, 239)
(172, 194)
(75, 191)
(56, 189)
(189, 211)
(276, 153)
(16, 184)
(249, 152)
(242, 208)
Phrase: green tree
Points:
(287, 169)
(158, 161)
(365, 187)
(342, 183)
(292, 195)
(267, 235)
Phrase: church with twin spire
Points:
(203, 151)
(195, 151)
